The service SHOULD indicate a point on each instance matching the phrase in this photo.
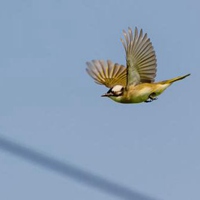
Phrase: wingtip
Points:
(136, 28)
(87, 63)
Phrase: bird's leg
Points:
(151, 98)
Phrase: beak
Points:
(107, 95)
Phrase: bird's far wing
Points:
(140, 58)
(107, 73)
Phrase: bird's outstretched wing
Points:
(107, 73)
(140, 58)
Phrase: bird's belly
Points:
(140, 95)
(143, 91)
(137, 95)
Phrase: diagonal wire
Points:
(70, 171)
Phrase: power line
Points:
(70, 171)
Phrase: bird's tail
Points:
(170, 81)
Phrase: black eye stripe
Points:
(116, 94)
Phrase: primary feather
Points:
(107, 73)
(140, 58)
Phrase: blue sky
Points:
(50, 105)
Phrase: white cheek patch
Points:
(117, 88)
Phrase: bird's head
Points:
(114, 92)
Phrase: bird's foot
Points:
(148, 100)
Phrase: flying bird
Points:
(135, 82)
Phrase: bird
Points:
(134, 83)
